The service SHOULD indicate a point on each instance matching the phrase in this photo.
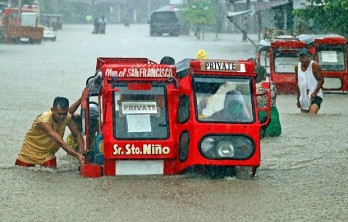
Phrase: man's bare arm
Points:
(74, 106)
(296, 79)
(46, 127)
(77, 134)
(318, 74)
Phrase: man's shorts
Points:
(317, 100)
(23, 164)
(52, 163)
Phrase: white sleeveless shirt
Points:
(307, 84)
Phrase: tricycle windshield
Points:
(284, 62)
(331, 58)
(223, 99)
(140, 114)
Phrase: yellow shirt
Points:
(37, 146)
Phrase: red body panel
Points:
(341, 75)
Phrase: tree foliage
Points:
(328, 16)
(202, 12)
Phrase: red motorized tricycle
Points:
(278, 55)
(166, 119)
(330, 51)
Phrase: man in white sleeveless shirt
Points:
(309, 80)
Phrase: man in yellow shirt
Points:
(45, 137)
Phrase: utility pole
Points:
(19, 11)
(259, 23)
(246, 21)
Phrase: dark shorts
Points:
(317, 100)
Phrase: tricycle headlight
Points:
(208, 147)
(225, 149)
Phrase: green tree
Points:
(328, 16)
(201, 13)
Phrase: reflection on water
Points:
(302, 176)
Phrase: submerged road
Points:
(303, 173)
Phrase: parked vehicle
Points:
(164, 22)
(166, 119)
(278, 54)
(20, 26)
(330, 51)
(49, 33)
(54, 21)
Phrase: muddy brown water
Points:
(303, 173)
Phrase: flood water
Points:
(303, 173)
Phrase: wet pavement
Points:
(303, 173)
